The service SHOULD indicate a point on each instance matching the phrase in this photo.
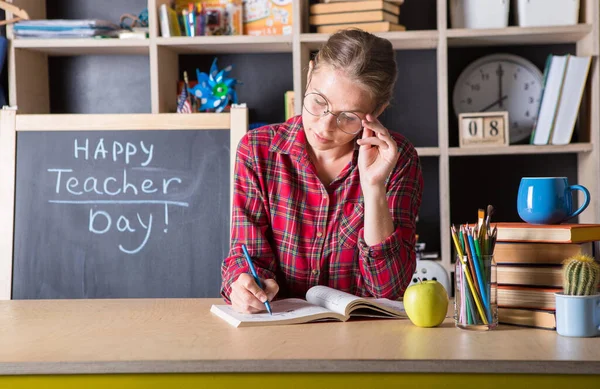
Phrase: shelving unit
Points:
(28, 76)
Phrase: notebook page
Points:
(283, 310)
(334, 300)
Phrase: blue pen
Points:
(253, 270)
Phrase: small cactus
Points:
(581, 275)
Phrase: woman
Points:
(331, 196)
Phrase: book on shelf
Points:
(353, 17)
(169, 21)
(354, 6)
(535, 318)
(548, 276)
(557, 233)
(554, 74)
(266, 17)
(322, 303)
(511, 296)
(570, 99)
(289, 104)
(65, 28)
(536, 253)
(368, 27)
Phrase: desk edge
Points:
(304, 366)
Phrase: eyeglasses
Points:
(317, 105)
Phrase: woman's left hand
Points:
(377, 155)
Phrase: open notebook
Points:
(322, 303)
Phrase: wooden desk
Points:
(87, 342)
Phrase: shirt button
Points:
(319, 234)
(315, 272)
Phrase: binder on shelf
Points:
(570, 99)
(555, 73)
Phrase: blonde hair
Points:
(365, 58)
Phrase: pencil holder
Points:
(475, 293)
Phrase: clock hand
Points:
(500, 73)
(494, 103)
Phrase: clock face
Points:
(501, 82)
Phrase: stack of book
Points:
(330, 16)
(529, 268)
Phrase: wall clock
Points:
(501, 82)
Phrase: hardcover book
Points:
(526, 253)
(353, 17)
(510, 296)
(527, 317)
(368, 27)
(550, 276)
(558, 233)
(352, 6)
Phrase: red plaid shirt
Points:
(302, 234)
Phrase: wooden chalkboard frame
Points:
(11, 122)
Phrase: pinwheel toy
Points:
(215, 91)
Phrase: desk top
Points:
(181, 335)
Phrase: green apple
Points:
(426, 303)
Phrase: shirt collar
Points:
(289, 137)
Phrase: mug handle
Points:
(586, 202)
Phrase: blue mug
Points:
(577, 316)
(548, 200)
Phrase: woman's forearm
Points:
(378, 219)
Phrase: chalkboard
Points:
(120, 213)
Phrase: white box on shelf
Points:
(535, 13)
(479, 13)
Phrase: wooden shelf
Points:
(428, 151)
(401, 40)
(517, 35)
(521, 149)
(227, 44)
(85, 46)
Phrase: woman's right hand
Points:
(247, 297)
